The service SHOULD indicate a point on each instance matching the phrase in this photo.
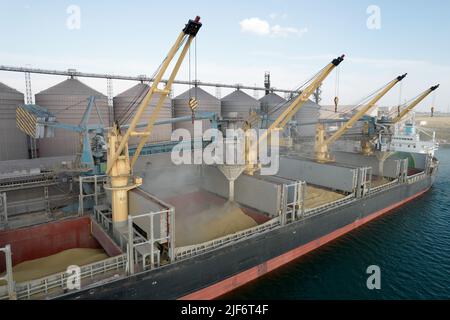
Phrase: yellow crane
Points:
(281, 121)
(119, 166)
(413, 104)
(322, 142)
(251, 165)
(367, 141)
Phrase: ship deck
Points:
(202, 212)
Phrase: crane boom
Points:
(286, 115)
(290, 111)
(190, 31)
(322, 143)
(119, 166)
(413, 104)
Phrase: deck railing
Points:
(414, 178)
(327, 206)
(383, 187)
(187, 251)
(28, 289)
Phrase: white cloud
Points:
(256, 26)
(262, 28)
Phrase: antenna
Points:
(267, 82)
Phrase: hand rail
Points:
(27, 289)
(187, 251)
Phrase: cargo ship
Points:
(284, 232)
(122, 220)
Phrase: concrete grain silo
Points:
(67, 101)
(13, 142)
(238, 105)
(126, 103)
(272, 102)
(307, 117)
(206, 103)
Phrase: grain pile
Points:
(38, 268)
(211, 223)
(315, 197)
(377, 182)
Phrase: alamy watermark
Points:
(73, 21)
(374, 280)
(373, 22)
(238, 148)
(73, 277)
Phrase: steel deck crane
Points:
(37, 122)
(385, 125)
(119, 166)
(281, 121)
(251, 165)
(322, 143)
(413, 104)
(383, 134)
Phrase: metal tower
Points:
(267, 82)
(218, 93)
(29, 100)
(109, 89)
(318, 95)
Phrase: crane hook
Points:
(193, 105)
(336, 102)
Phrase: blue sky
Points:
(239, 41)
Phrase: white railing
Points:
(383, 187)
(187, 251)
(316, 210)
(25, 290)
(97, 180)
(414, 178)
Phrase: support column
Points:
(9, 272)
(4, 212)
(130, 246)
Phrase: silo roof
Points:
(240, 96)
(134, 91)
(5, 89)
(272, 99)
(196, 92)
(71, 87)
(311, 104)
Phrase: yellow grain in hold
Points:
(38, 268)
(315, 197)
(212, 223)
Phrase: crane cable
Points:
(281, 105)
(402, 106)
(133, 105)
(193, 102)
(433, 103)
(400, 88)
(336, 88)
(361, 103)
